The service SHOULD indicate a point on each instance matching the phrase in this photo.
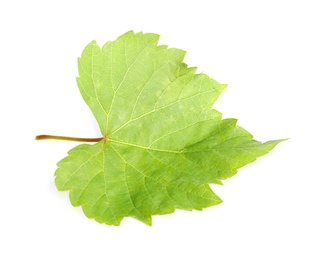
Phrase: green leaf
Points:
(163, 143)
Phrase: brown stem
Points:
(68, 138)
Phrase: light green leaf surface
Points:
(163, 143)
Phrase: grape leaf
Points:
(162, 145)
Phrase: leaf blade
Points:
(163, 143)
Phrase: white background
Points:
(270, 54)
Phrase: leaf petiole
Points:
(68, 138)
